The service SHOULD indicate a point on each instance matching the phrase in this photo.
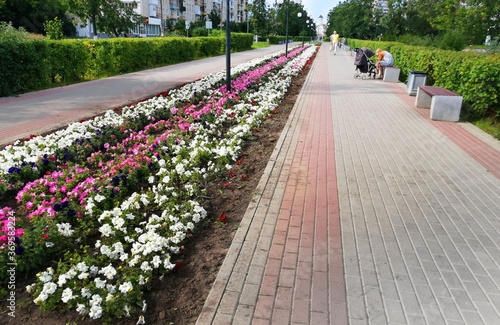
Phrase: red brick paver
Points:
(304, 274)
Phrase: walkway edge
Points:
(271, 187)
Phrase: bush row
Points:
(277, 39)
(472, 75)
(38, 64)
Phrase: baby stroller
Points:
(364, 65)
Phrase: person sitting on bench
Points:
(385, 59)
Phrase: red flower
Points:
(177, 267)
(223, 218)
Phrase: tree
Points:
(33, 14)
(296, 25)
(443, 21)
(354, 18)
(474, 19)
(109, 16)
(260, 17)
(214, 17)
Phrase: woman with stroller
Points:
(385, 59)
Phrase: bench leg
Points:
(446, 108)
(423, 99)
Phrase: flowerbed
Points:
(132, 200)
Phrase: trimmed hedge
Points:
(38, 64)
(276, 39)
(474, 76)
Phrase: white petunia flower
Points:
(95, 312)
(63, 278)
(81, 309)
(45, 277)
(49, 288)
(82, 267)
(86, 293)
(96, 300)
(99, 284)
(106, 230)
(65, 229)
(125, 287)
(41, 297)
(67, 295)
(108, 271)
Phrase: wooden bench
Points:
(391, 74)
(445, 105)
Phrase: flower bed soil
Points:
(179, 297)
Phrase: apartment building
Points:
(382, 5)
(159, 11)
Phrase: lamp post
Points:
(300, 15)
(287, 18)
(248, 21)
(228, 49)
(310, 29)
(307, 24)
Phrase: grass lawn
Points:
(489, 125)
(259, 45)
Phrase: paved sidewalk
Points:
(369, 213)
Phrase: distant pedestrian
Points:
(334, 39)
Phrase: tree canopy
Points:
(33, 14)
(466, 21)
(109, 16)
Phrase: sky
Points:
(315, 8)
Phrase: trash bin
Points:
(415, 79)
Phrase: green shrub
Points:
(414, 40)
(277, 39)
(37, 64)
(24, 66)
(9, 32)
(54, 29)
(451, 40)
(199, 32)
(68, 60)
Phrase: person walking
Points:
(334, 39)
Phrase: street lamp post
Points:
(228, 49)
(303, 25)
(311, 28)
(287, 18)
(307, 23)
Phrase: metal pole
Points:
(161, 19)
(287, 16)
(303, 32)
(228, 49)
